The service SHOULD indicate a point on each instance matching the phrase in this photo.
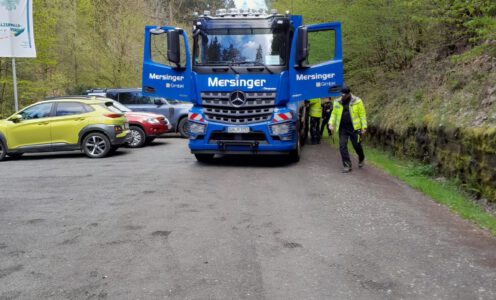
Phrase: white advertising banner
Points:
(16, 28)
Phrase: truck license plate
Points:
(238, 129)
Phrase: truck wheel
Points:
(294, 155)
(204, 157)
(183, 127)
(96, 145)
(138, 137)
(3, 151)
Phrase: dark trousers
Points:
(314, 129)
(343, 145)
(325, 120)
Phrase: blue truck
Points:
(248, 75)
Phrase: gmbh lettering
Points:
(248, 83)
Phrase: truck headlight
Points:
(196, 128)
(280, 129)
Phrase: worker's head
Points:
(345, 92)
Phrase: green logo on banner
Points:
(10, 4)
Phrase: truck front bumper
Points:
(216, 140)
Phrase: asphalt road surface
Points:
(153, 223)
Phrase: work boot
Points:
(361, 163)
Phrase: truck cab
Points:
(247, 76)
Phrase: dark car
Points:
(175, 111)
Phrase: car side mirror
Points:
(174, 47)
(302, 46)
(16, 118)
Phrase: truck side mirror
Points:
(173, 47)
(301, 46)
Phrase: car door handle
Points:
(43, 123)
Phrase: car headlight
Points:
(196, 128)
(281, 129)
(152, 121)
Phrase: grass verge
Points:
(446, 192)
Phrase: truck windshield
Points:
(241, 46)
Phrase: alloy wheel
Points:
(95, 145)
(137, 138)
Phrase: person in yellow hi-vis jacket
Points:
(315, 116)
(349, 120)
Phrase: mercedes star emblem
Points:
(238, 98)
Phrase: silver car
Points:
(175, 111)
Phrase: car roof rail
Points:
(79, 97)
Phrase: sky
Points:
(250, 4)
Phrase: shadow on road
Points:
(59, 155)
(155, 143)
(249, 161)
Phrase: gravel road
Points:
(153, 223)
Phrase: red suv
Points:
(145, 127)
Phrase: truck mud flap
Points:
(252, 144)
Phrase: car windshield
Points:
(241, 46)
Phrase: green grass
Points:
(446, 192)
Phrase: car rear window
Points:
(121, 107)
(110, 107)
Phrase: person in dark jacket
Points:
(349, 120)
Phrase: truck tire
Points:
(294, 155)
(3, 151)
(204, 157)
(138, 137)
(96, 145)
(183, 127)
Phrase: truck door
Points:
(316, 62)
(167, 64)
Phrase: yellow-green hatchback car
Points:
(88, 124)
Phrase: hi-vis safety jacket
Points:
(315, 108)
(357, 113)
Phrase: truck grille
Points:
(258, 107)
